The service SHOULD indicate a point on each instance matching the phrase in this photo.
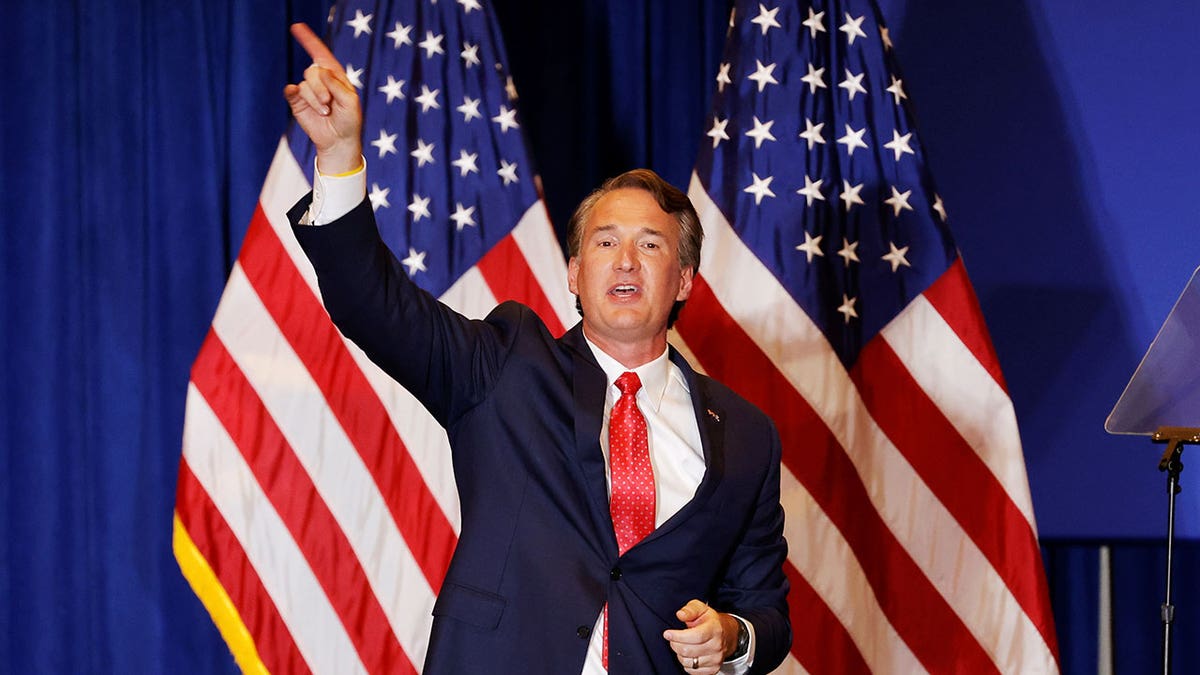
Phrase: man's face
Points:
(627, 273)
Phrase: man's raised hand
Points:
(325, 105)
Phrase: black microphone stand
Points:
(1172, 464)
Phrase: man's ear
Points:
(686, 276)
(573, 275)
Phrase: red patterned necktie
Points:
(632, 476)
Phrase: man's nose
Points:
(627, 257)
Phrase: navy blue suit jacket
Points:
(536, 557)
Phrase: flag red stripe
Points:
(914, 607)
(221, 548)
(821, 643)
(306, 326)
(956, 474)
(954, 298)
(507, 273)
(287, 485)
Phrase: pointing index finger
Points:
(315, 47)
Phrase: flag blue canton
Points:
(813, 158)
(448, 172)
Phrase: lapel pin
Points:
(715, 416)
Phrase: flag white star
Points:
(939, 207)
(432, 44)
(392, 89)
(812, 133)
(899, 200)
(423, 153)
(847, 308)
(761, 132)
(419, 207)
(813, 22)
(766, 18)
(853, 28)
(814, 79)
(463, 217)
(470, 54)
(897, 90)
(896, 256)
(399, 35)
(811, 190)
(354, 75)
(899, 144)
(761, 188)
(723, 77)
(885, 36)
(853, 139)
(762, 75)
(378, 197)
(386, 143)
(507, 171)
(717, 132)
(853, 84)
(361, 23)
(811, 246)
(415, 262)
(850, 194)
(470, 109)
(510, 88)
(428, 99)
(849, 251)
(469, 5)
(507, 119)
(466, 162)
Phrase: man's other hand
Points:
(709, 637)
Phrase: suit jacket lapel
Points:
(589, 384)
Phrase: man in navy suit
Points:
(620, 512)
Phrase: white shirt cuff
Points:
(335, 196)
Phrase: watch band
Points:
(743, 641)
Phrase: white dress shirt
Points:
(676, 456)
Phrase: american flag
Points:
(316, 510)
(832, 295)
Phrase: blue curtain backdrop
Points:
(135, 137)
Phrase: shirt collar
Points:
(655, 375)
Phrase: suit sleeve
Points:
(755, 587)
(446, 360)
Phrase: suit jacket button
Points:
(583, 632)
(615, 574)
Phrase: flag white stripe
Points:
(965, 392)
(470, 295)
(823, 557)
(284, 186)
(926, 530)
(536, 239)
(285, 574)
(790, 666)
(339, 476)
